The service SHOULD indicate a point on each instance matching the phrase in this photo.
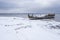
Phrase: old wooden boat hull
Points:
(49, 16)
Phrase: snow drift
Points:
(16, 28)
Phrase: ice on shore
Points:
(16, 28)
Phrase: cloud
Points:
(25, 6)
(6, 6)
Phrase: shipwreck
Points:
(47, 16)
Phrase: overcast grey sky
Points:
(29, 6)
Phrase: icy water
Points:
(24, 15)
(57, 17)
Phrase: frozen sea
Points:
(24, 15)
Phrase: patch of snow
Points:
(16, 28)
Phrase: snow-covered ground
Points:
(16, 28)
